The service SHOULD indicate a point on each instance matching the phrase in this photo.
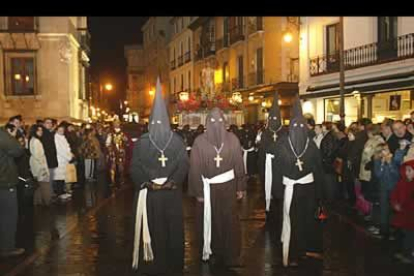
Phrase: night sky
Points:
(109, 35)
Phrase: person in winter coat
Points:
(402, 201)
(318, 135)
(360, 138)
(388, 135)
(91, 152)
(341, 157)
(386, 169)
(26, 184)
(9, 150)
(48, 141)
(64, 156)
(328, 151)
(368, 182)
(75, 141)
(39, 167)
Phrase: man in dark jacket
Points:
(328, 149)
(401, 133)
(9, 149)
(389, 136)
(17, 121)
(48, 142)
(358, 146)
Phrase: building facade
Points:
(378, 61)
(134, 55)
(44, 68)
(249, 57)
(157, 34)
(181, 55)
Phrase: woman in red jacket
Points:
(402, 201)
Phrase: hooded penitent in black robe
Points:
(248, 142)
(274, 130)
(225, 224)
(165, 218)
(306, 232)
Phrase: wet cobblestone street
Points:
(92, 235)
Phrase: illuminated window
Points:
(22, 75)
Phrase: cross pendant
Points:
(163, 159)
(218, 159)
(299, 164)
(274, 136)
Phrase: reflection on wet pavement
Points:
(101, 243)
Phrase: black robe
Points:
(267, 144)
(248, 141)
(225, 224)
(165, 214)
(306, 231)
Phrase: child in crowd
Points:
(402, 201)
(386, 170)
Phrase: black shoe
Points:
(12, 253)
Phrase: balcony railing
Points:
(256, 78)
(236, 34)
(256, 25)
(222, 42)
(180, 61)
(205, 51)
(172, 64)
(399, 48)
(187, 57)
(209, 49)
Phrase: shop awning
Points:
(268, 89)
(401, 81)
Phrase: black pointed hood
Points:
(216, 127)
(298, 130)
(274, 120)
(159, 126)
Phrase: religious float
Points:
(193, 107)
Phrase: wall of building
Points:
(57, 81)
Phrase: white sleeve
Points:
(108, 140)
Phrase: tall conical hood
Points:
(159, 123)
(274, 119)
(298, 130)
(297, 108)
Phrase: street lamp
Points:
(291, 21)
(108, 87)
(151, 92)
(287, 37)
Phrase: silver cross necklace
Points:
(162, 158)
(299, 163)
(218, 158)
